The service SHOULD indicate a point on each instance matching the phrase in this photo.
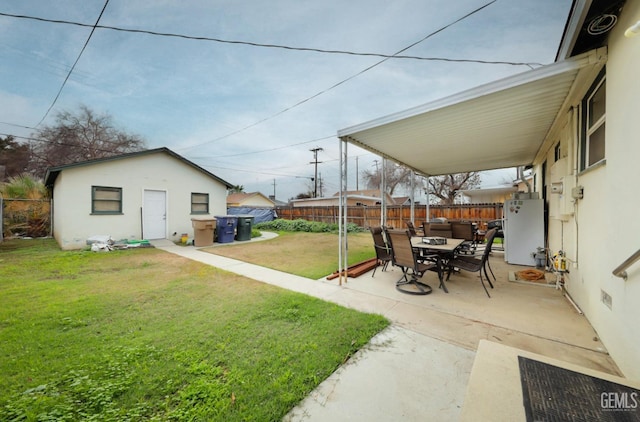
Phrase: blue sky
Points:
(223, 105)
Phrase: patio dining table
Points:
(444, 252)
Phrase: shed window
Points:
(593, 124)
(106, 200)
(199, 203)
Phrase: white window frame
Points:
(588, 130)
(198, 204)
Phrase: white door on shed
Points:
(154, 211)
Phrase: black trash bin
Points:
(226, 228)
(245, 223)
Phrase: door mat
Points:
(515, 277)
(551, 393)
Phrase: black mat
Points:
(557, 394)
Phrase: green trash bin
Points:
(245, 223)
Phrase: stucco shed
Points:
(151, 194)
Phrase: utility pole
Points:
(315, 161)
(274, 188)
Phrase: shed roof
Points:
(53, 172)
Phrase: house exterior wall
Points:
(73, 222)
(602, 230)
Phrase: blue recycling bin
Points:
(226, 228)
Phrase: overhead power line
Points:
(299, 103)
(264, 45)
(385, 58)
(55, 100)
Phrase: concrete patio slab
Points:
(399, 375)
(494, 392)
(420, 365)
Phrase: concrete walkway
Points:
(400, 375)
(419, 368)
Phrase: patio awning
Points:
(497, 125)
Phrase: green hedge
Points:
(305, 226)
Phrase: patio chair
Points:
(383, 252)
(437, 229)
(474, 264)
(412, 228)
(478, 251)
(407, 259)
(464, 230)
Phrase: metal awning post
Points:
(383, 197)
(428, 201)
(342, 214)
(412, 216)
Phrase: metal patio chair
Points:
(474, 264)
(404, 256)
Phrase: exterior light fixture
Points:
(633, 30)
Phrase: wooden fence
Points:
(25, 217)
(365, 216)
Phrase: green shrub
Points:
(305, 226)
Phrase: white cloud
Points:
(178, 93)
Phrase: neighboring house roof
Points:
(362, 192)
(277, 202)
(347, 196)
(402, 200)
(367, 194)
(241, 198)
(53, 172)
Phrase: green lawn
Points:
(311, 255)
(146, 335)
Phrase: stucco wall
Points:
(619, 326)
(605, 228)
(73, 222)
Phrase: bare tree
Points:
(446, 187)
(79, 137)
(395, 176)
